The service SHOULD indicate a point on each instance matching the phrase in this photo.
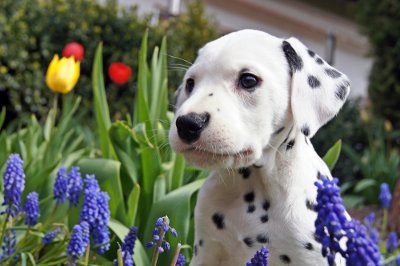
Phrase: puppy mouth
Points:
(211, 154)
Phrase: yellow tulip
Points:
(62, 74)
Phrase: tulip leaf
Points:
(177, 206)
(133, 203)
(333, 154)
(100, 104)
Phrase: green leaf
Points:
(176, 205)
(100, 104)
(140, 256)
(352, 201)
(49, 124)
(132, 203)
(160, 188)
(107, 173)
(364, 184)
(122, 137)
(2, 116)
(177, 172)
(332, 155)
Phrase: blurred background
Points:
(359, 37)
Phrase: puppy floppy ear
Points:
(318, 90)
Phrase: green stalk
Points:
(86, 263)
(3, 229)
(384, 223)
(156, 253)
(176, 255)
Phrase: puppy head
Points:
(241, 89)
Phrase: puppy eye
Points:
(248, 81)
(189, 85)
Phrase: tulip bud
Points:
(62, 74)
(119, 73)
(73, 49)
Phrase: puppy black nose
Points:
(191, 125)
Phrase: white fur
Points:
(240, 133)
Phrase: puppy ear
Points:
(318, 90)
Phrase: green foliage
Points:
(28, 42)
(333, 154)
(380, 23)
(151, 174)
(378, 163)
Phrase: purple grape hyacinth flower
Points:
(9, 244)
(127, 259)
(332, 226)
(90, 209)
(129, 241)
(159, 233)
(79, 241)
(181, 260)
(385, 197)
(101, 233)
(75, 185)
(61, 185)
(392, 242)
(14, 184)
(50, 236)
(260, 258)
(31, 208)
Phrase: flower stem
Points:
(3, 229)
(156, 252)
(176, 255)
(86, 263)
(384, 223)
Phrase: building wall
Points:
(286, 18)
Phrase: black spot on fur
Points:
(248, 241)
(279, 130)
(266, 205)
(245, 172)
(310, 205)
(295, 62)
(333, 73)
(290, 145)
(305, 138)
(211, 94)
(313, 82)
(319, 61)
(251, 208)
(309, 246)
(341, 92)
(305, 130)
(285, 259)
(311, 53)
(218, 220)
(249, 197)
(201, 242)
(264, 218)
(262, 238)
(195, 250)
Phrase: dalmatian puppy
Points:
(247, 109)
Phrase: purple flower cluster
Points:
(95, 211)
(61, 185)
(79, 241)
(129, 241)
(180, 261)
(332, 225)
(49, 237)
(31, 208)
(385, 197)
(14, 183)
(9, 244)
(162, 227)
(260, 258)
(127, 259)
(74, 187)
(392, 242)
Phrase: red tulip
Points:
(73, 49)
(119, 73)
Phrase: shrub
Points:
(379, 22)
(28, 42)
